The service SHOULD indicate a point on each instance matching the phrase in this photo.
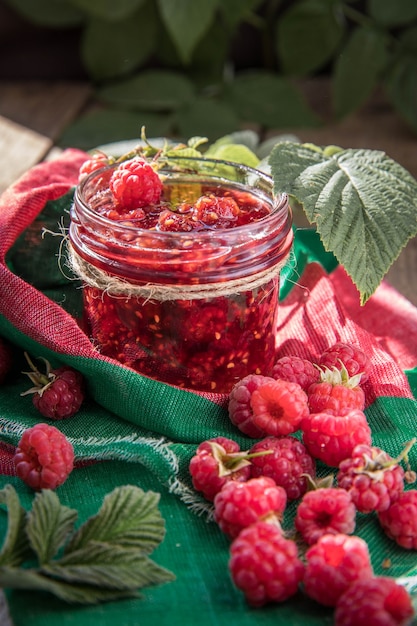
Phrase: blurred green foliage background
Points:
(207, 67)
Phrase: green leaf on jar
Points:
(357, 69)
(235, 152)
(186, 22)
(150, 90)
(307, 35)
(247, 137)
(269, 99)
(362, 203)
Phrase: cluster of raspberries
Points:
(250, 489)
(44, 457)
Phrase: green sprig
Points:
(105, 559)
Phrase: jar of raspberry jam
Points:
(184, 290)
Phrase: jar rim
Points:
(279, 201)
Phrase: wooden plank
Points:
(20, 149)
(44, 107)
(32, 117)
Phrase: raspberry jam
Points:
(186, 290)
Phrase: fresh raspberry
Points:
(44, 457)
(353, 358)
(332, 564)
(324, 511)
(6, 359)
(372, 477)
(240, 409)
(288, 464)
(376, 601)
(265, 565)
(332, 438)
(216, 462)
(135, 184)
(296, 370)
(279, 407)
(97, 161)
(219, 211)
(399, 521)
(238, 504)
(335, 393)
(58, 393)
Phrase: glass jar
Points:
(196, 309)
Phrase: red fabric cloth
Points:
(323, 309)
(388, 316)
(33, 313)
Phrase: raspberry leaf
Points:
(28, 579)
(49, 524)
(185, 151)
(128, 518)
(16, 547)
(362, 203)
(108, 566)
(106, 559)
(234, 152)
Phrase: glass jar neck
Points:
(142, 256)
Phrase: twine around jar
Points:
(118, 287)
